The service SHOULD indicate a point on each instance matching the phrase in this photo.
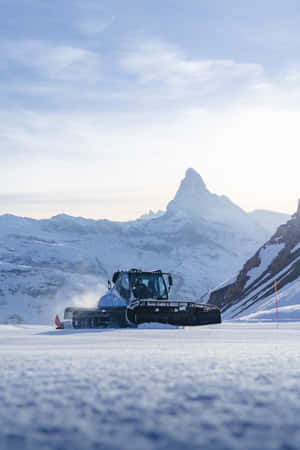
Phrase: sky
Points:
(105, 104)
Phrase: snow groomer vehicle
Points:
(138, 297)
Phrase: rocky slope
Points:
(46, 264)
(252, 291)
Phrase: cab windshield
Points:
(149, 285)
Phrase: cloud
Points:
(94, 26)
(163, 75)
(248, 151)
(53, 62)
(280, 92)
(233, 144)
(168, 69)
(153, 74)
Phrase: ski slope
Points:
(228, 386)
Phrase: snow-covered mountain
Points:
(193, 199)
(47, 264)
(252, 293)
(152, 215)
(270, 220)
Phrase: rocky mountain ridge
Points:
(253, 288)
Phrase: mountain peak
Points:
(191, 196)
(192, 178)
(194, 201)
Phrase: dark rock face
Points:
(285, 267)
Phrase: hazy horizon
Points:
(52, 205)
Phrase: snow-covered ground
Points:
(228, 386)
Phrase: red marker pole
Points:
(276, 297)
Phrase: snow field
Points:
(228, 386)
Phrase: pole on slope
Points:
(276, 300)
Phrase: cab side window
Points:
(162, 288)
(122, 286)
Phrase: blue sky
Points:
(104, 104)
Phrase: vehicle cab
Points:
(136, 284)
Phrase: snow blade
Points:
(114, 317)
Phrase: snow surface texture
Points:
(230, 386)
(46, 265)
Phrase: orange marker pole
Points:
(276, 297)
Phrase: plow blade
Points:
(96, 318)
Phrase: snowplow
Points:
(138, 297)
